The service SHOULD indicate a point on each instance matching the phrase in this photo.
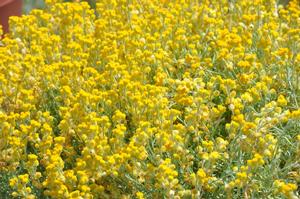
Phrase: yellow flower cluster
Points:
(286, 189)
(151, 99)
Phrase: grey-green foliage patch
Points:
(31, 4)
(5, 189)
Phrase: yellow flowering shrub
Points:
(151, 99)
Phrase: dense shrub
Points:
(151, 99)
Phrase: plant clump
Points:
(151, 99)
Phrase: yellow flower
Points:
(281, 100)
(201, 173)
(139, 195)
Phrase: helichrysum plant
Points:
(151, 99)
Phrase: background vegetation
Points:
(30, 4)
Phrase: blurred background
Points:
(31, 4)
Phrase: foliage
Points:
(151, 99)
